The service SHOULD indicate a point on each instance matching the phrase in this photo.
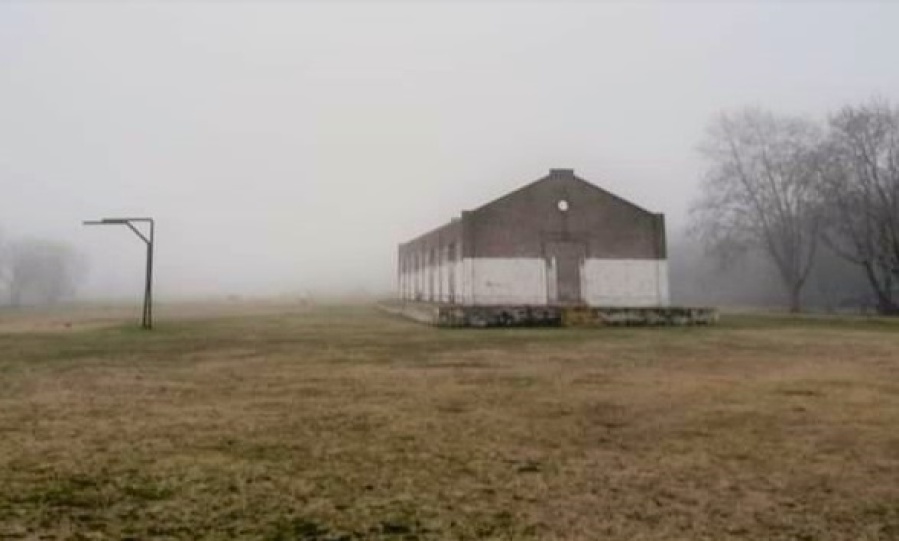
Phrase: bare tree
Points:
(759, 192)
(40, 272)
(861, 189)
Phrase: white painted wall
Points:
(508, 281)
(466, 273)
(432, 284)
(625, 282)
(451, 271)
(604, 282)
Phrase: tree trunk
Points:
(795, 299)
(887, 307)
(885, 304)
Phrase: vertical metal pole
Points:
(148, 292)
(150, 279)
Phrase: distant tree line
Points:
(37, 272)
(790, 187)
(749, 279)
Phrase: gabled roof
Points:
(554, 175)
(560, 174)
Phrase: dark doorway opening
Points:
(564, 261)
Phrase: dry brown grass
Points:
(342, 423)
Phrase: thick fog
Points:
(286, 148)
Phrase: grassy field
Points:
(340, 423)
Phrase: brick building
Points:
(557, 241)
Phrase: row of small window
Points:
(413, 261)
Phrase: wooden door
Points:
(565, 260)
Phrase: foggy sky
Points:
(288, 147)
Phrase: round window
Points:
(563, 205)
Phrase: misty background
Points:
(286, 148)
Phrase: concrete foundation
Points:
(455, 315)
